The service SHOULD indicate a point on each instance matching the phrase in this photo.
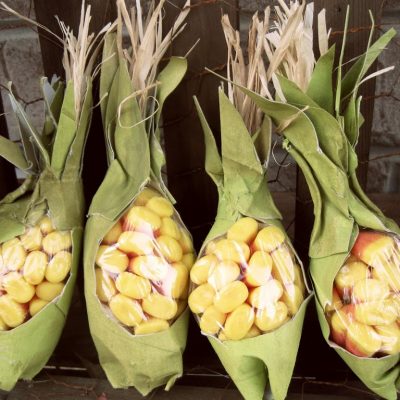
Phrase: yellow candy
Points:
(272, 317)
(132, 285)
(105, 286)
(3, 325)
(212, 320)
(142, 219)
(231, 296)
(388, 271)
(269, 238)
(201, 269)
(201, 298)
(17, 287)
(59, 267)
(222, 274)
(222, 336)
(32, 239)
(211, 246)
(170, 228)
(230, 250)
(262, 296)
(299, 278)
(390, 336)
(362, 340)
(186, 242)
(293, 298)
(283, 265)
(349, 275)
(243, 230)
(239, 322)
(45, 225)
(144, 196)
(113, 234)
(49, 291)
(160, 306)
(35, 267)
(370, 290)
(126, 310)
(14, 254)
(56, 241)
(36, 305)
(188, 259)
(169, 248)
(111, 259)
(180, 277)
(152, 325)
(150, 267)
(161, 206)
(258, 271)
(11, 312)
(253, 332)
(376, 313)
(136, 243)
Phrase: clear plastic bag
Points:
(34, 268)
(246, 283)
(365, 307)
(143, 264)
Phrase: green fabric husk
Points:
(135, 160)
(56, 191)
(240, 176)
(322, 141)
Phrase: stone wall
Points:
(20, 62)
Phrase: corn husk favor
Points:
(138, 253)
(42, 221)
(354, 248)
(248, 290)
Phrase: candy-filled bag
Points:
(138, 252)
(354, 253)
(248, 291)
(42, 221)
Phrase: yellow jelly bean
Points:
(389, 272)
(56, 241)
(272, 317)
(180, 277)
(231, 296)
(231, 250)
(370, 290)
(262, 296)
(243, 230)
(11, 312)
(170, 228)
(150, 267)
(136, 243)
(299, 278)
(160, 306)
(105, 286)
(292, 297)
(132, 285)
(222, 337)
(36, 305)
(212, 320)
(111, 259)
(253, 332)
(211, 246)
(49, 291)
(223, 274)
(17, 287)
(390, 336)
(188, 259)
(239, 322)
(142, 219)
(376, 313)
(126, 310)
(269, 238)
(59, 267)
(144, 196)
(202, 267)
(32, 239)
(45, 225)
(201, 298)
(113, 234)
(152, 325)
(186, 242)
(169, 248)
(3, 325)
(161, 206)
(258, 271)
(283, 265)
(14, 254)
(35, 267)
